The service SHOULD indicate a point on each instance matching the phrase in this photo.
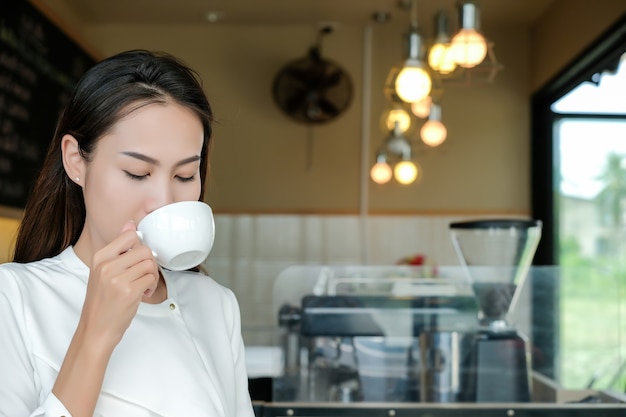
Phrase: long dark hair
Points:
(54, 215)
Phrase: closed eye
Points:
(186, 179)
(135, 177)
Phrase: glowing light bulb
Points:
(422, 108)
(469, 48)
(413, 82)
(400, 116)
(381, 173)
(435, 54)
(405, 172)
(468, 45)
(433, 133)
(441, 58)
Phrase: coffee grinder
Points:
(496, 255)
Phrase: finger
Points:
(127, 239)
(143, 267)
(139, 278)
(129, 225)
(149, 292)
(127, 228)
(145, 278)
(135, 255)
(127, 266)
(151, 278)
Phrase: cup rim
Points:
(176, 204)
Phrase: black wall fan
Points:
(312, 89)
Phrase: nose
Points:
(159, 197)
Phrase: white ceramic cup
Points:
(180, 234)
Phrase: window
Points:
(590, 149)
(579, 192)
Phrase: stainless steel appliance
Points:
(376, 333)
(497, 255)
(413, 334)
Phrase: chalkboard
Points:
(39, 66)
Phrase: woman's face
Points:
(149, 159)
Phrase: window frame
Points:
(602, 55)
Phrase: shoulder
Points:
(8, 279)
(23, 286)
(40, 281)
(36, 271)
(14, 273)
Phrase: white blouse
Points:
(183, 357)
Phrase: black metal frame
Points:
(439, 410)
(603, 54)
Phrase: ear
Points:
(73, 161)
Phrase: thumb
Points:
(129, 225)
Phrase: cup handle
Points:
(140, 236)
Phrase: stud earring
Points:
(77, 179)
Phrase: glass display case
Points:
(445, 341)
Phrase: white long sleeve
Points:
(51, 407)
(184, 356)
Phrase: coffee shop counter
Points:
(549, 401)
(399, 341)
(435, 410)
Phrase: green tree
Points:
(612, 197)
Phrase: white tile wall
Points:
(251, 250)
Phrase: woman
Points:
(89, 325)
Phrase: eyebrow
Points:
(153, 161)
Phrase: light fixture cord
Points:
(413, 14)
(309, 148)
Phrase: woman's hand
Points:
(121, 274)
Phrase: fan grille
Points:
(312, 90)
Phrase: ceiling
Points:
(284, 12)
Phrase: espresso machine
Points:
(412, 334)
(363, 333)
(496, 255)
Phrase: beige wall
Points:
(8, 229)
(287, 194)
(565, 30)
(265, 163)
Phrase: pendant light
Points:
(434, 132)
(469, 46)
(406, 171)
(396, 114)
(413, 83)
(422, 108)
(381, 171)
(414, 88)
(441, 55)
